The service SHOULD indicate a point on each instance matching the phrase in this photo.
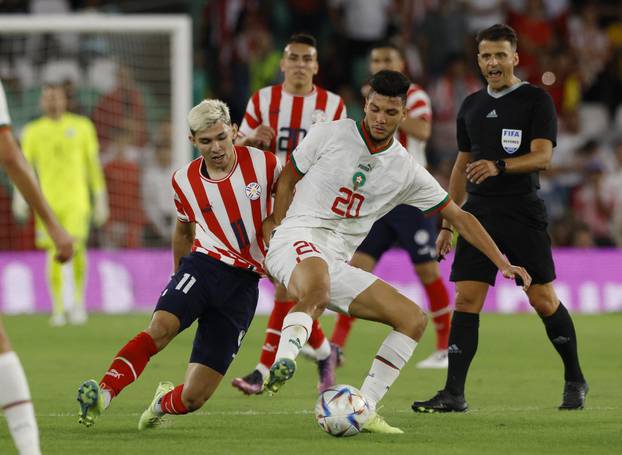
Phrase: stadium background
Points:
(123, 83)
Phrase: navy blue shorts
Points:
(221, 297)
(407, 227)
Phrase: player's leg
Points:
(179, 305)
(439, 311)
(77, 314)
(561, 332)
(15, 400)
(55, 280)
(221, 328)
(309, 283)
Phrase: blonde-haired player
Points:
(62, 148)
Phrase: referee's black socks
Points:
(560, 330)
(462, 347)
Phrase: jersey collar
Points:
(368, 142)
(506, 91)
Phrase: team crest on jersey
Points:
(253, 191)
(511, 139)
(318, 116)
(358, 179)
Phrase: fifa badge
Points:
(358, 179)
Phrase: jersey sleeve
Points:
(462, 136)
(97, 182)
(423, 191)
(252, 116)
(544, 120)
(177, 198)
(5, 118)
(309, 149)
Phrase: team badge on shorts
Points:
(358, 179)
(511, 139)
(318, 116)
(253, 191)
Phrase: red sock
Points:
(317, 335)
(129, 363)
(440, 311)
(342, 329)
(273, 331)
(171, 402)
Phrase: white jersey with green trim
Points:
(349, 183)
(5, 118)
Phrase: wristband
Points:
(443, 228)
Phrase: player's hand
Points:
(516, 272)
(480, 170)
(443, 243)
(261, 136)
(267, 227)
(63, 243)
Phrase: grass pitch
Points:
(513, 390)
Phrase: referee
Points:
(506, 133)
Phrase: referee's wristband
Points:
(443, 228)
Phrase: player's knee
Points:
(162, 332)
(411, 322)
(466, 303)
(544, 305)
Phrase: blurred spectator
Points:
(124, 227)
(481, 14)
(123, 102)
(157, 196)
(613, 185)
(581, 236)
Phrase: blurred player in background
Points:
(222, 197)
(277, 118)
(14, 392)
(347, 175)
(62, 148)
(405, 225)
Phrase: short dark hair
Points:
(498, 32)
(303, 38)
(389, 83)
(386, 44)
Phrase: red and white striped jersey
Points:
(418, 106)
(229, 212)
(290, 116)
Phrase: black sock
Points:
(462, 347)
(560, 329)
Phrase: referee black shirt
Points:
(500, 125)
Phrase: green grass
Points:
(514, 388)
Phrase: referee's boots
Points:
(574, 395)
(443, 401)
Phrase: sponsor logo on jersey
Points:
(358, 179)
(365, 167)
(114, 373)
(511, 139)
(492, 114)
(253, 191)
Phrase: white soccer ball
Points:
(341, 410)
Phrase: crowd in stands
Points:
(571, 48)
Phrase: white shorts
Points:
(289, 246)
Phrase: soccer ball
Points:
(341, 410)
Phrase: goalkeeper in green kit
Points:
(62, 148)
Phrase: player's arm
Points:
(282, 199)
(418, 127)
(20, 172)
(538, 159)
(183, 237)
(97, 182)
(473, 232)
(457, 185)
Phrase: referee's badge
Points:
(253, 191)
(511, 139)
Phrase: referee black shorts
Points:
(518, 225)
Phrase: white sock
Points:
(323, 352)
(264, 370)
(107, 397)
(393, 354)
(16, 404)
(294, 334)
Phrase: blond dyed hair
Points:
(206, 114)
